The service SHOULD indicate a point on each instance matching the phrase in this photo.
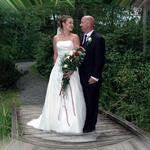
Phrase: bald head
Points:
(87, 23)
(90, 19)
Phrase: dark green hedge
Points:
(44, 55)
(126, 86)
(8, 72)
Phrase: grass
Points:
(7, 98)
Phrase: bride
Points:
(63, 114)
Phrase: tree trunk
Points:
(145, 11)
(79, 12)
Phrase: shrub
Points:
(8, 72)
(129, 36)
(125, 88)
(44, 53)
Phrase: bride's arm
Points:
(54, 49)
(76, 41)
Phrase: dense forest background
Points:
(26, 34)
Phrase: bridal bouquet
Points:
(70, 62)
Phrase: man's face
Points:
(84, 24)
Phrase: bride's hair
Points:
(62, 19)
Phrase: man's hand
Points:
(68, 74)
(92, 81)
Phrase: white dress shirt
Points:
(89, 34)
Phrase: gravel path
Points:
(32, 87)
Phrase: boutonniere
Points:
(89, 40)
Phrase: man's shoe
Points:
(88, 130)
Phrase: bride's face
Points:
(68, 25)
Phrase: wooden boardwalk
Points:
(109, 135)
(112, 133)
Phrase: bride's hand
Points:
(68, 74)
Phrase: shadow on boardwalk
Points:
(109, 135)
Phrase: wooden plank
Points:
(139, 144)
(14, 128)
(109, 134)
(104, 135)
(129, 126)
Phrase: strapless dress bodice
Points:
(64, 47)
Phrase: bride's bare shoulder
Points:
(76, 40)
(75, 35)
(55, 37)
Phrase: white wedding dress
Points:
(62, 115)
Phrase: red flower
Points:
(70, 57)
(76, 54)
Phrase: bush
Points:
(7, 100)
(129, 36)
(44, 53)
(125, 89)
(8, 73)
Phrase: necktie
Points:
(84, 39)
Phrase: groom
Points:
(91, 70)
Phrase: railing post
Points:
(14, 128)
